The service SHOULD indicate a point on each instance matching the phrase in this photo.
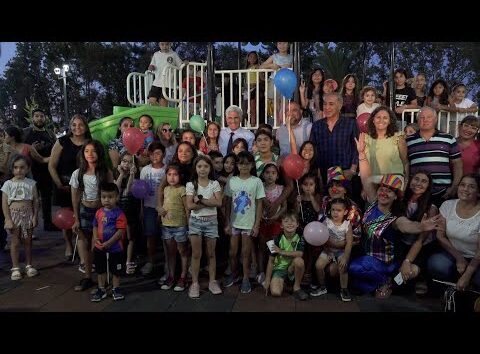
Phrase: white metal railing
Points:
(138, 87)
(447, 122)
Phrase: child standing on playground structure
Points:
(109, 228)
(165, 56)
(20, 207)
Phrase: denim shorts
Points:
(241, 232)
(150, 222)
(332, 255)
(86, 218)
(203, 226)
(178, 233)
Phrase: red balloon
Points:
(362, 121)
(293, 165)
(133, 139)
(63, 218)
(316, 233)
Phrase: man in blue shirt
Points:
(233, 131)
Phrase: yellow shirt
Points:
(383, 155)
(173, 204)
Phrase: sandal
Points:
(31, 272)
(130, 267)
(384, 291)
(16, 274)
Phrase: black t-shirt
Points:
(45, 138)
(404, 96)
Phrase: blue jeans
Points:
(443, 266)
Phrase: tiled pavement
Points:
(52, 291)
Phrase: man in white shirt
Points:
(233, 131)
(299, 127)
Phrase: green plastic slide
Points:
(105, 129)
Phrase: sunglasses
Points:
(167, 130)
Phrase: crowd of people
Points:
(394, 202)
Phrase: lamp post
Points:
(62, 74)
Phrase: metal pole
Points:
(392, 73)
(296, 67)
(239, 52)
(210, 82)
(65, 96)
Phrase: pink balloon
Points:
(63, 218)
(316, 233)
(133, 140)
(293, 166)
(362, 121)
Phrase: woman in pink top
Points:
(470, 147)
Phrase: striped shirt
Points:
(433, 156)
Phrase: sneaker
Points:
(162, 279)
(230, 280)
(321, 290)
(261, 278)
(31, 272)
(313, 286)
(421, 287)
(345, 295)
(117, 295)
(81, 268)
(16, 274)
(245, 288)
(181, 285)
(99, 295)
(253, 271)
(214, 288)
(194, 291)
(147, 268)
(300, 295)
(168, 284)
(130, 267)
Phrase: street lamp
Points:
(62, 74)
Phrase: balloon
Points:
(286, 82)
(316, 233)
(133, 139)
(362, 121)
(63, 218)
(140, 188)
(197, 123)
(293, 166)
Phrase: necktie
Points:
(230, 143)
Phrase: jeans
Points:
(443, 266)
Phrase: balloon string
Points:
(301, 207)
(289, 122)
(206, 142)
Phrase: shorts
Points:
(86, 218)
(22, 217)
(331, 255)
(283, 273)
(116, 262)
(150, 222)
(178, 233)
(203, 226)
(241, 232)
(156, 92)
(270, 231)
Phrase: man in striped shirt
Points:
(437, 153)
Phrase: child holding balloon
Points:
(129, 205)
(145, 123)
(153, 174)
(20, 207)
(337, 249)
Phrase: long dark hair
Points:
(15, 133)
(311, 87)
(424, 202)
(101, 170)
(392, 126)
(444, 96)
(119, 132)
(211, 175)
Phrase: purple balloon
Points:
(316, 233)
(140, 188)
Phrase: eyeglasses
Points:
(167, 130)
(468, 126)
